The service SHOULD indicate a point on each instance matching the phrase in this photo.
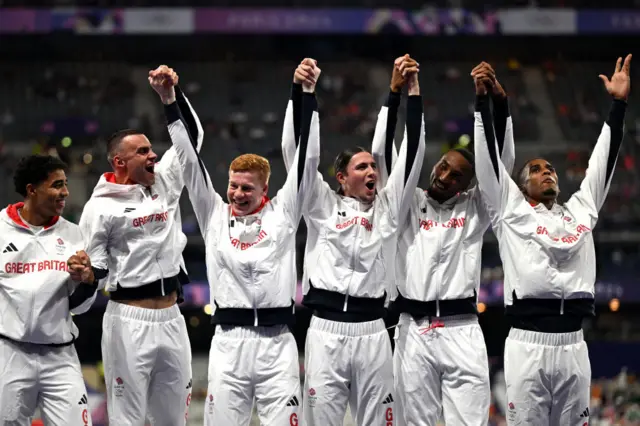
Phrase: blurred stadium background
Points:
(74, 71)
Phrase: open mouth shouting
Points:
(150, 168)
(371, 185)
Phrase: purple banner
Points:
(87, 21)
(269, 21)
(15, 21)
(345, 21)
(608, 22)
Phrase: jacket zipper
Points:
(353, 260)
(253, 294)
(439, 263)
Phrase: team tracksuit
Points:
(346, 283)
(251, 271)
(440, 357)
(40, 366)
(549, 264)
(135, 241)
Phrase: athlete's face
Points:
(137, 160)
(451, 175)
(539, 181)
(360, 179)
(245, 192)
(48, 197)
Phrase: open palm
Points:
(620, 84)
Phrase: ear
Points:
(341, 178)
(118, 161)
(31, 189)
(266, 189)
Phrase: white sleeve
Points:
(291, 128)
(595, 185)
(383, 148)
(403, 180)
(495, 184)
(301, 177)
(96, 227)
(169, 168)
(204, 198)
(503, 125)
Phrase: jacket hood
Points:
(107, 187)
(11, 216)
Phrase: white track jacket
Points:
(251, 259)
(135, 232)
(350, 245)
(440, 245)
(546, 254)
(35, 286)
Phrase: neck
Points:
(440, 198)
(357, 198)
(34, 218)
(547, 203)
(123, 179)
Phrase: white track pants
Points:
(36, 375)
(348, 363)
(147, 365)
(441, 370)
(548, 378)
(247, 363)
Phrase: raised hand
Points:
(163, 80)
(307, 74)
(484, 78)
(79, 266)
(403, 67)
(620, 84)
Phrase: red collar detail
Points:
(12, 212)
(110, 177)
(264, 201)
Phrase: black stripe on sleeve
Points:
(173, 114)
(309, 105)
(100, 273)
(189, 119)
(296, 98)
(482, 106)
(392, 104)
(616, 124)
(414, 127)
(500, 115)
(82, 293)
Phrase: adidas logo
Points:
(293, 403)
(343, 214)
(10, 248)
(585, 413)
(129, 209)
(388, 399)
(190, 385)
(83, 400)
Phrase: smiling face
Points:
(245, 192)
(248, 183)
(539, 181)
(451, 175)
(136, 160)
(359, 178)
(48, 197)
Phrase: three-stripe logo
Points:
(293, 402)
(83, 400)
(10, 248)
(388, 399)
